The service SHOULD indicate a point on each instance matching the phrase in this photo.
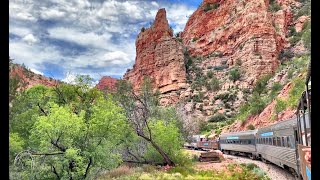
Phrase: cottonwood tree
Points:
(140, 108)
(66, 132)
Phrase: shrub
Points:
(306, 36)
(285, 54)
(261, 84)
(274, 6)
(280, 106)
(256, 104)
(217, 118)
(210, 6)
(250, 127)
(295, 92)
(213, 84)
(294, 39)
(290, 73)
(241, 46)
(210, 74)
(194, 39)
(234, 74)
(199, 97)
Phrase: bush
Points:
(234, 74)
(213, 84)
(210, 6)
(274, 6)
(306, 36)
(285, 54)
(210, 74)
(261, 84)
(250, 127)
(256, 104)
(194, 39)
(217, 118)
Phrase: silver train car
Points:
(242, 143)
(277, 144)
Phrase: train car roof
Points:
(280, 125)
(248, 132)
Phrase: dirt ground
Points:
(219, 166)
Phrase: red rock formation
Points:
(159, 57)
(239, 30)
(107, 82)
(31, 78)
(298, 24)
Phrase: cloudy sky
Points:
(60, 38)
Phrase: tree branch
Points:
(55, 171)
(87, 169)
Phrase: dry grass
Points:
(115, 173)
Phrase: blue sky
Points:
(61, 38)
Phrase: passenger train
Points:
(280, 143)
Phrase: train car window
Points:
(288, 142)
(249, 141)
(270, 141)
(283, 142)
(278, 141)
(274, 141)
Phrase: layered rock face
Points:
(159, 56)
(238, 30)
(107, 83)
(30, 78)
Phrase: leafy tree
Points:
(139, 110)
(66, 132)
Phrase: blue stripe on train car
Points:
(206, 144)
(308, 173)
(233, 137)
(267, 134)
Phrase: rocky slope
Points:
(30, 78)
(107, 83)
(159, 57)
(230, 30)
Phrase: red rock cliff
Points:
(30, 78)
(108, 82)
(242, 30)
(159, 57)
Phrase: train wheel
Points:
(251, 156)
(264, 160)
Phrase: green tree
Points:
(139, 109)
(66, 132)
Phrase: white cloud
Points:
(29, 39)
(78, 37)
(69, 78)
(20, 31)
(36, 71)
(50, 13)
(107, 29)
